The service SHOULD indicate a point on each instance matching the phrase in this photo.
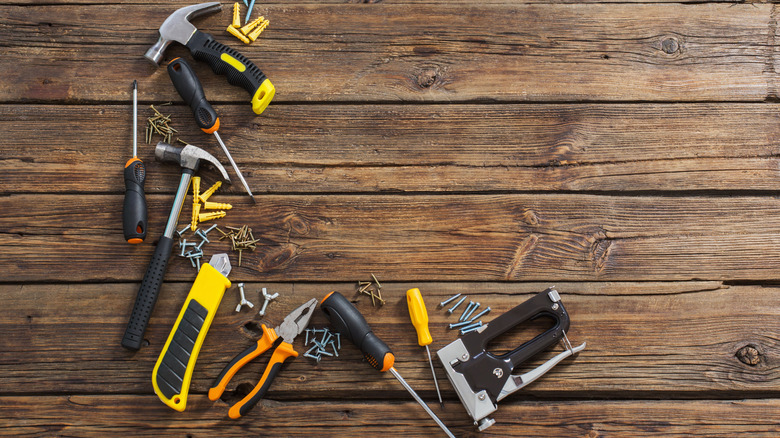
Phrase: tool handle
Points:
(347, 320)
(263, 344)
(134, 211)
(240, 71)
(282, 353)
(190, 89)
(147, 294)
(419, 316)
(172, 373)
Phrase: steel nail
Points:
(480, 314)
(452, 309)
(459, 324)
(473, 309)
(448, 300)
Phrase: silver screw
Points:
(498, 372)
(180, 232)
(459, 324)
(200, 234)
(473, 309)
(555, 306)
(448, 300)
(200, 244)
(480, 314)
(452, 309)
(268, 299)
(210, 228)
(481, 397)
(244, 301)
(465, 311)
(464, 357)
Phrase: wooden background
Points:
(624, 152)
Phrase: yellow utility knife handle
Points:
(171, 377)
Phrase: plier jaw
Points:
(293, 324)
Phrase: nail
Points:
(465, 311)
(452, 309)
(448, 300)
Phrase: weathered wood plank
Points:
(366, 148)
(550, 237)
(96, 415)
(644, 340)
(412, 53)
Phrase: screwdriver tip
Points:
(253, 199)
(135, 84)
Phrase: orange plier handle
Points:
(283, 352)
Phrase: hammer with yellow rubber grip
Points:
(173, 370)
(224, 60)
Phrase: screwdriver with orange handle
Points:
(347, 320)
(419, 317)
(134, 210)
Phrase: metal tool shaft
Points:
(235, 167)
(435, 381)
(178, 202)
(422, 403)
(135, 118)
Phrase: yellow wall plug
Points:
(205, 195)
(203, 217)
(216, 206)
(236, 17)
(256, 33)
(254, 23)
(233, 31)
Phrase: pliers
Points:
(292, 326)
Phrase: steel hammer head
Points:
(177, 27)
(188, 157)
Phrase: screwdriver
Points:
(134, 210)
(419, 317)
(190, 89)
(347, 320)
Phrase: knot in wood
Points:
(670, 45)
(749, 355)
(426, 78)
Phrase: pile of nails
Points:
(159, 125)
(372, 288)
(196, 253)
(466, 322)
(321, 346)
(241, 238)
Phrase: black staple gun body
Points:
(481, 378)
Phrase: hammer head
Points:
(188, 157)
(177, 27)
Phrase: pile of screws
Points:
(241, 239)
(320, 346)
(372, 288)
(466, 322)
(159, 125)
(195, 254)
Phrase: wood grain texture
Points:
(545, 237)
(672, 340)
(96, 415)
(412, 53)
(401, 148)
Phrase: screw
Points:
(338, 339)
(459, 324)
(335, 350)
(183, 245)
(209, 229)
(198, 260)
(465, 311)
(180, 232)
(202, 235)
(471, 328)
(498, 372)
(448, 300)
(268, 298)
(325, 353)
(473, 309)
(200, 244)
(307, 337)
(480, 314)
(452, 309)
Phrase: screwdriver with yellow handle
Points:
(347, 320)
(419, 317)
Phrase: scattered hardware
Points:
(203, 217)
(466, 311)
(419, 317)
(208, 205)
(159, 125)
(189, 159)
(347, 320)
(221, 58)
(236, 33)
(372, 289)
(171, 376)
(197, 199)
(241, 239)
(249, 10)
(452, 309)
(134, 210)
(482, 379)
(268, 298)
(332, 340)
(190, 89)
(251, 31)
(253, 24)
(195, 255)
(292, 326)
(244, 301)
(195, 203)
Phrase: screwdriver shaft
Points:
(235, 167)
(422, 403)
(135, 118)
(436, 382)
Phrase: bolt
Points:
(464, 357)
(335, 350)
(471, 326)
(307, 337)
(463, 332)
(180, 232)
(268, 299)
(448, 300)
(200, 245)
(183, 245)
(459, 324)
(465, 311)
(209, 229)
(480, 314)
(452, 309)
(202, 235)
(338, 339)
(325, 353)
(473, 309)
(198, 260)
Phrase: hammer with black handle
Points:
(223, 60)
